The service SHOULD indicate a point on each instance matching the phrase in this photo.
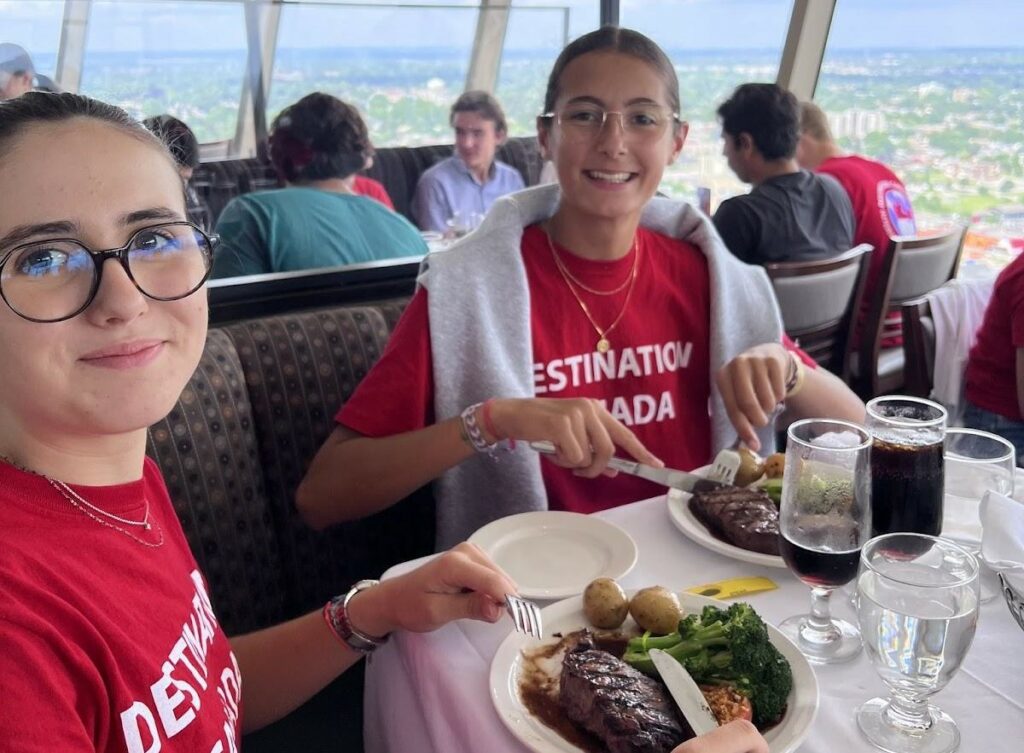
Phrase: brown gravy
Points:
(538, 687)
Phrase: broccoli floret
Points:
(725, 646)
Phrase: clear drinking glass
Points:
(976, 462)
(824, 519)
(462, 223)
(906, 464)
(918, 610)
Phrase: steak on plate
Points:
(628, 711)
(742, 516)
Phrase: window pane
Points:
(943, 107)
(537, 32)
(715, 45)
(401, 66)
(183, 58)
(35, 25)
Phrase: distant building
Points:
(856, 123)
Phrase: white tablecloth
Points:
(430, 693)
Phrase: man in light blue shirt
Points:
(454, 195)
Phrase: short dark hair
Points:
(318, 138)
(19, 114)
(177, 136)
(769, 113)
(484, 105)
(623, 41)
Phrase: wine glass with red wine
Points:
(824, 521)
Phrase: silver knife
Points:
(687, 482)
(684, 692)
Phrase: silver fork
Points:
(525, 614)
(725, 466)
(727, 461)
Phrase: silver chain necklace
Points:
(92, 511)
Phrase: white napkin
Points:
(1002, 538)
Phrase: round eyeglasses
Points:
(54, 280)
(640, 123)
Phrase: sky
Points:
(675, 24)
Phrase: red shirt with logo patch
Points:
(882, 209)
(655, 378)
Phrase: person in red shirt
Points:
(108, 639)
(994, 382)
(565, 318)
(880, 201)
(369, 187)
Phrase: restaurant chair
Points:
(819, 300)
(918, 347)
(912, 268)
(942, 327)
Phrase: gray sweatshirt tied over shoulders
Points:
(479, 313)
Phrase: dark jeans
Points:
(1010, 430)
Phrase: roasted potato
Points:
(656, 609)
(751, 468)
(775, 465)
(605, 603)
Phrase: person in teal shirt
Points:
(317, 147)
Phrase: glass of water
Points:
(824, 519)
(976, 462)
(918, 610)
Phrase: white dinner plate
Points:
(686, 521)
(566, 616)
(552, 555)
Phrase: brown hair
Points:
(814, 122)
(317, 138)
(484, 105)
(19, 114)
(624, 42)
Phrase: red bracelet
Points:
(485, 415)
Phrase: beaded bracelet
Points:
(472, 433)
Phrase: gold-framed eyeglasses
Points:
(641, 122)
(54, 280)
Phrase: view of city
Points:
(949, 121)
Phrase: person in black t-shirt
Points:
(790, 214)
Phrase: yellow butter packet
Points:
(734, 587)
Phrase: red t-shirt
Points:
(992, 366)
(655, 379)
(375, 190)
(882, 210)
(106, 644)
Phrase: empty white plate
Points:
(554, 555)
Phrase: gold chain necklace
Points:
(92, 511)
(566, 273)
(603, 344)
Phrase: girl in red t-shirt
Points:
(622, 326)
(109, 640)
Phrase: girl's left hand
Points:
(752, 385)
(461, 583)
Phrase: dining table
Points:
(431, 692)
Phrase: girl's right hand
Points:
(739, 736)
(584, 433)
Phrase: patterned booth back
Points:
(238, 443)
(207, 451)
